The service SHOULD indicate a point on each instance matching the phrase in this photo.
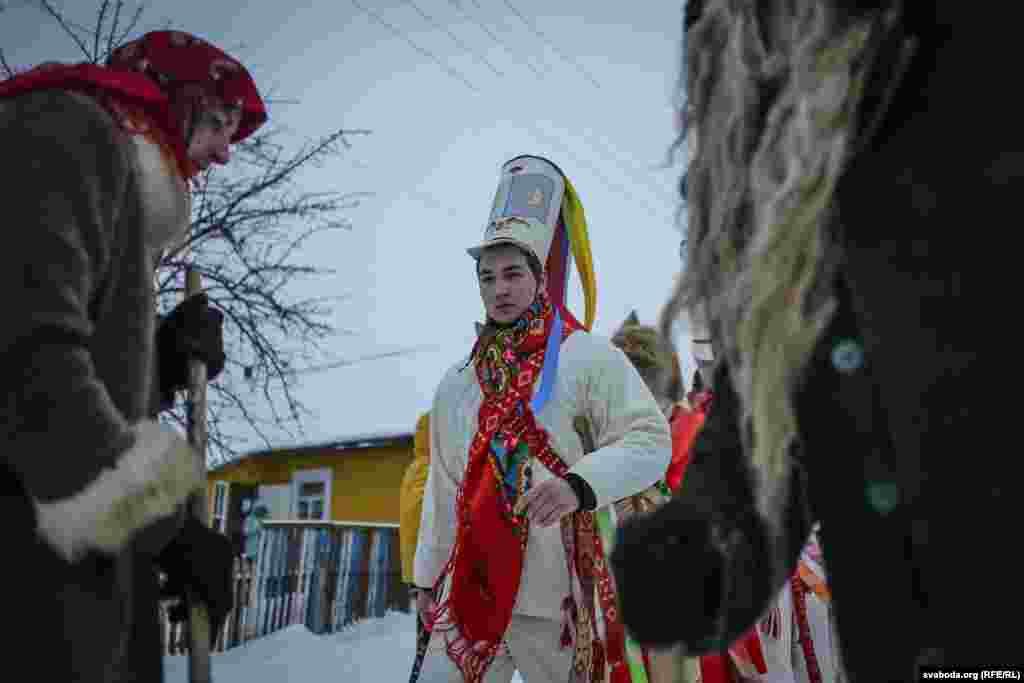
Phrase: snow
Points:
(372, 650)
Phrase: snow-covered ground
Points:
(373, 650)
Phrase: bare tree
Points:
(249, 223)
(94, 43)
(248, 227)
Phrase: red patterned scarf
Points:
(485, 567)
(487, 560)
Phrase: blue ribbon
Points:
(550, 369)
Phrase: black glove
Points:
(584, 494)
(200, 560)
(192, 330)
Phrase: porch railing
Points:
(325, 575)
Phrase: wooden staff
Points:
(198, 617)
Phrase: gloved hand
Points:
(201, 560)
(192, 330)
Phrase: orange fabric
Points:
(814, 582)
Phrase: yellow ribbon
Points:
(576, 230)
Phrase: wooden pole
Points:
(198, 617)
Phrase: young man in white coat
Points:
(510, 565)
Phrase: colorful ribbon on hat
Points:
(576, 230)
(550, 368)
(575, 237)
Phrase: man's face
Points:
(212, 137)
(507, 285)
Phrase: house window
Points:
(312, 494)
(220, 506)
(311, 500)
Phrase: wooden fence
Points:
(325, 575)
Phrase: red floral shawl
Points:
(485, 567)
(487, 560)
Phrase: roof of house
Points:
(377, 439)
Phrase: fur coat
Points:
(873, 427)
(87, 209)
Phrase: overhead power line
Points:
(490, 34)
(430, 20)
(537, 132)
(603, 149)
(536, 31)
(633, 170)
(362, 359)
(429, 55)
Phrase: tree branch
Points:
(97, 33)
(129, 29)
(8, 71)
(64, 25)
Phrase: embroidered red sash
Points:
(486, 564)
(487, 560)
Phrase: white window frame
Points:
(324, 475)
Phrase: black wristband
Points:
(584, 494)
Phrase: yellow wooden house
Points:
(353, 480)
(315, 530)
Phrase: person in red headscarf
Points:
(96, 168)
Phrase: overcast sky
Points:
(593, 92)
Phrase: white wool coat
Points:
(632, 451)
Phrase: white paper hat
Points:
(526, 207)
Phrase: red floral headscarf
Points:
(166, 76)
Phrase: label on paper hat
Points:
(526, 206)
(525, 196)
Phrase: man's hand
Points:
(549, 501)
